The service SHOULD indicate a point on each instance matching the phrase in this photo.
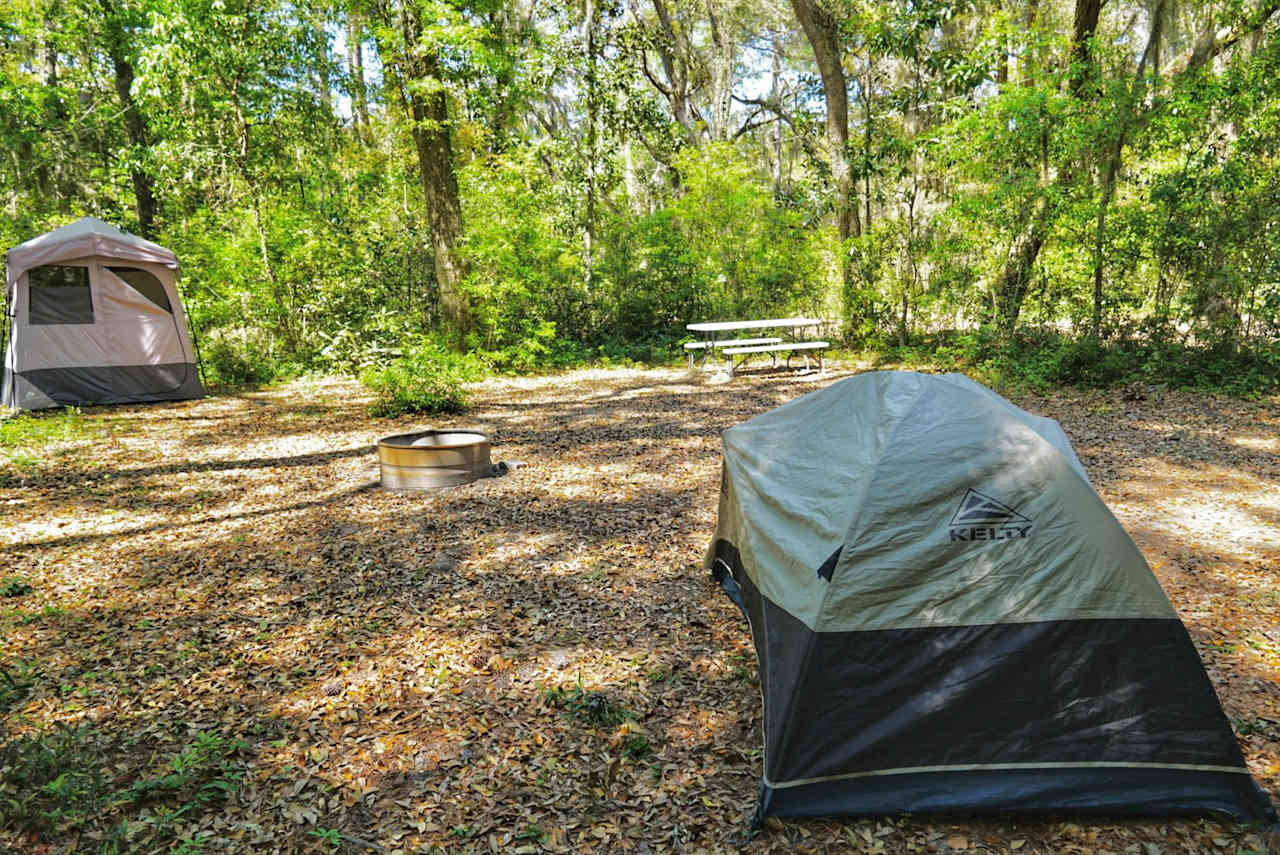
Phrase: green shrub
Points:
(1046, 359)
(51, 779)
(427, 379)
(237, 358)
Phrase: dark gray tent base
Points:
(856, 712)
(117, 384)
(1091, 792)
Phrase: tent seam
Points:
(978, 767)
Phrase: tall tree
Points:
(119, 22)
(415, 59)
(822, 29)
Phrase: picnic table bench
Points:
(738, 350)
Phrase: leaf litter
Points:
(532, 663)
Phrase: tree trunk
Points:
(283, 305)
(135, 123)
(1086, 24)
(1128, 108)
(429, 112)
(823, 34)
(866, 145)
(1099, 242)
(1011, 288)
(593, 108)
(1015, 280)
(676, 89)
(775, 133)
(355, 71)
(1030, 15)
(722, 56)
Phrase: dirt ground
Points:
(529, 663)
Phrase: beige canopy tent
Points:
(94, 318)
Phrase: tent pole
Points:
(191, 328)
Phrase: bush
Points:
(427, 379)
(52, 778)
(237, 358)
(1046, 359)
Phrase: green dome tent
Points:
(948, 618)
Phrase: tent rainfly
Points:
(94, 318)
(948, 619)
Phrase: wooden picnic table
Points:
(742, 346)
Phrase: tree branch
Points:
(1213, 43)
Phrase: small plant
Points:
(328, 835)
(532, 833)
(427, 379)
(637, 746)
(236, 357)
(201, 774)
(660, 674)
(47, 613)
(592, 707)
(15, 683)
(191, 845)
(14, 586)
(1262, 726)
(52, 779)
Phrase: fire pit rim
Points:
(406, 440)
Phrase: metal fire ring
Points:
(431, 459)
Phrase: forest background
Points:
(1056, 190)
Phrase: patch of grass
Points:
(52, 783)
(34, 429)
(23, 461)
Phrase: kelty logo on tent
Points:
(981, 517)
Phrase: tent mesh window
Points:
(59, 295)
(145, 284)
